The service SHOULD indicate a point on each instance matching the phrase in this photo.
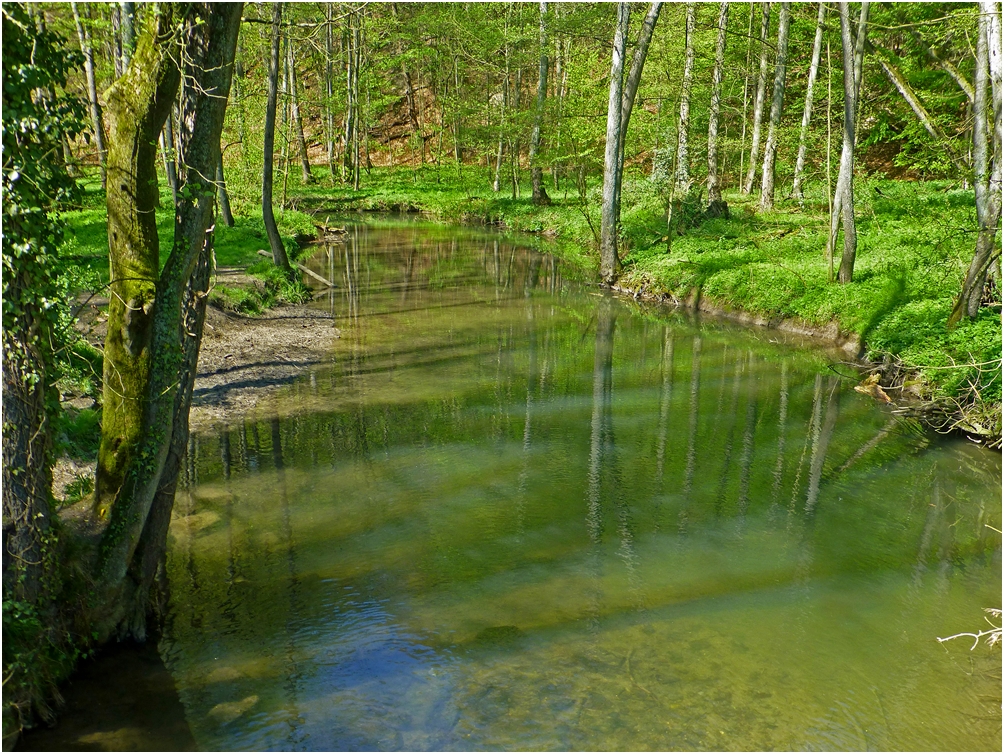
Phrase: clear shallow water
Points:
(512, 513)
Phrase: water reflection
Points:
(503, 518)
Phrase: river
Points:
(511, 512)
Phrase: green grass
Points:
(915, 241)
(85, 249)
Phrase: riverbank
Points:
(914, 243)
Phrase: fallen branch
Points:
(305, 270)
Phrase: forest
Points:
(827, 169)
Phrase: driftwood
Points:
(305, 270)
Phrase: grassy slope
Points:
(914, 243)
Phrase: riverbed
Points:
(509, 511)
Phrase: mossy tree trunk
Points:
(138, 104)
(133, 544)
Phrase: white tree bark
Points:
(845, 179)
(761, 93)
(776, 105)
(817, 46)
(714, 185)
(683, 127)
(609, 222)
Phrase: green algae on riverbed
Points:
(512, 514)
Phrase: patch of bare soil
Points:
(243, 358)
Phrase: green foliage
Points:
(78, 434)
(37, 115)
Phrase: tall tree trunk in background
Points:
(138, 104)
(845, 178)
(540, 196)
(776, 106)
(268, 216)
(116, 38)
(223, 196)
(817, 47)
(986, 167)
(761, 94)
(128, 32)
(133, 544)
(683, 128)
(329, 89)
(715, 204)
(294, 99)
(167, 145)
(357, 62)
(632, 81)
(97, 122)
(350, 103)
(609, 223)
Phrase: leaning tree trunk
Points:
(761, 93)
(609, 222)
(683, 128)
(138, 104)
(776, 105)
(97, 122)
(715, 204)
(268, 216)
(817, 47)
(134, 542)
(845, 178)
(632, 81)
(540, 196)
(987, 179)
(294, 99)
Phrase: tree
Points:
(619, 108)
(761, 90)
(609, 262)
(268, 215)
(133, 542)
(715, 204)
(537, 173)
(138, 104)
(294, 100)
(34, 186)
(683, 126)
(776, 104)
(97, 122)
(987, 177)
(843, 205)
(817, 46)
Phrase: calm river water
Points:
(512, 513)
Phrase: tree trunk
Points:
(845, 178)
(906, 91)
(268, 216)
(329, 88)
(133, 544)
(633, 80)
(223, 196)
(128, 32)
(138, 104)
(167, 145)
(986, 168)
(97, 122)
(540, 196)
(609, 225)
(294, 99)
(817, 47)
(761, 93)
(715, 204)
(776, 105)
(683, 127)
